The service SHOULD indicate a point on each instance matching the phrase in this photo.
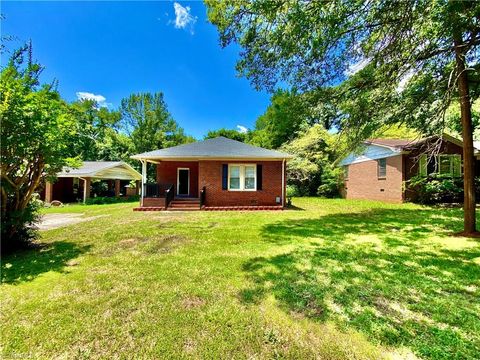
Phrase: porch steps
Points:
(184, 204)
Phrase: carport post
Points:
(144, 178)
(86, 188)
(48, 192)
(117, 188)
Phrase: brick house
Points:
(379, 171)
(214, 174)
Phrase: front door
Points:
(183, 181)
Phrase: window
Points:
(345, 172)
(242, 177)
(422, 165)
(450, 165)
(382, 168)
(234, 178)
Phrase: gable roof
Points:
(102, 170)
(217, 148)
(392, 143)
(393, 147)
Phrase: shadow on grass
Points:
(381, 272)
(28, 264)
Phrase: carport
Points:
(75, 184)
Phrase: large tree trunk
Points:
(469, 227)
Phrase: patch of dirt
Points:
(55, 221)
(166, 243)
(192, 302)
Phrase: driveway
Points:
(55, 221)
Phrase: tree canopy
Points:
(379, 62)
(228, 133)
(37, 126)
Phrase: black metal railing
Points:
(203, 194)
(157, 190)
(169, 195)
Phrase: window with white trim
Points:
(242, 177)
(450, 164)
(382, 168)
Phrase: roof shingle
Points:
(219, 147)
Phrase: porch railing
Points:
(203, 194)
(169, 195)
(158, 190)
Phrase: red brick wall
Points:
(153, 202)
(167, 174)
(210, 175)
(363, 182)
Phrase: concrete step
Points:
(183, 208)
(188, 204)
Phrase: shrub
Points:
(100, 200)
(292, 190)
(331, 182)
(19, 225)
(436, 189)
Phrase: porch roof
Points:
(217, 148)
(102, 170)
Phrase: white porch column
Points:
(144, 178)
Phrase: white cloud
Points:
(99, 99)
(356, 67)
(183, 18)
(242, 129)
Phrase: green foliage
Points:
(36, 127)
(281, 121)
(101, 200)
(396, 131)
(228, 133)
(312, 169)
(145, 117)
(96, 126)
(436, 189)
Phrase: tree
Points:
(391, 62)
(96, 125)
(146, 119)
(36, 127)
(228, 133)
(312, 170)
(281, 121)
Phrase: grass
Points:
(334, 279)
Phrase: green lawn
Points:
(333, 279)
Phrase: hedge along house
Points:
(74, 185)
(214, 174)
(382, 169)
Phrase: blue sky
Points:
(112, 49)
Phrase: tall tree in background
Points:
(148, 123)
(228, 133)
(37, 126)
(146, 119)
(96, 125)
(395, 61)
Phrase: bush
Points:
(292, 190)
(100, 200)
(19, 225)
(436, 189)
(331, 182)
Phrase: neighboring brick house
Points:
(381, 170)
(214, 174)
